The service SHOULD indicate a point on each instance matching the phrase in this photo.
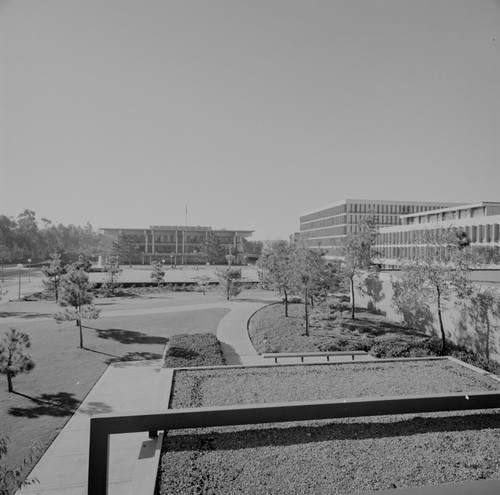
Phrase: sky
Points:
(248, 113)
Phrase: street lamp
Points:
(29, 266)
(19, 267)
(171, 261)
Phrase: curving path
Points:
(131, 387)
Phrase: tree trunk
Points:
(441, 325)
(306, 310)
(286, 303)
(353, 314)
(488, 330)
(9, 381)
(79, 323)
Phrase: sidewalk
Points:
(123, 387)
(129, 387)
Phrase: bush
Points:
(460, 352)
(199, 349)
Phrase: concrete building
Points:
(182, 244)
(326, 227)
(479, 221)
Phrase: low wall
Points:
(461, 322)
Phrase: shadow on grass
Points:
(129, 336)
(254, 300)
(60, 404)
(24, 314)
(134, 356)
(296, 435)
(100, 352)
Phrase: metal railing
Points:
(104, 425)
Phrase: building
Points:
(479, 221)
(182, 245)
(325, 228)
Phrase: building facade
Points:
(182, 245)
(479, 221)
(325, 228)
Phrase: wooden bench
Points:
(302, 355)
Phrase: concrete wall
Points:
(461, 322)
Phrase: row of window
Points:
(372, 208)
(475, 233)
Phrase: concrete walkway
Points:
(130, 387)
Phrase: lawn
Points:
(332, 329)
(64, 374)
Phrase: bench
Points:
(302, 355)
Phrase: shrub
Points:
(200, 349)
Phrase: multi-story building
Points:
(479, 221)
(325, 228)
(182, 245)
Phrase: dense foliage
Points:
(22, 238)
(199, 349)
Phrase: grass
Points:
(331, 329)
(46, 398)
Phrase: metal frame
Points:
(302, 355)
(104, 425)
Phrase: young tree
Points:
(276, 263)
(13, 358)
(229, 281)
(76, 298)
(203, 282)
(158, 272)
(357, 256)
(438, 271)
(113, 272)
(308, 271)
(53, 272)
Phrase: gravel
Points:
(334, 456)
(195, 388)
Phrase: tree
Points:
(276, 263)
(308, 270)
(13, 358)
(438, 271)
(113, 272)
(11, 479)
(211, 248)
(4, 251)
(203, 282)
(125, 249)
(357, 256)
(28, 235)
(76, 298)
(53, 272)
(229, 281)
(483, 307)
(158, 272)
(83, 263)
